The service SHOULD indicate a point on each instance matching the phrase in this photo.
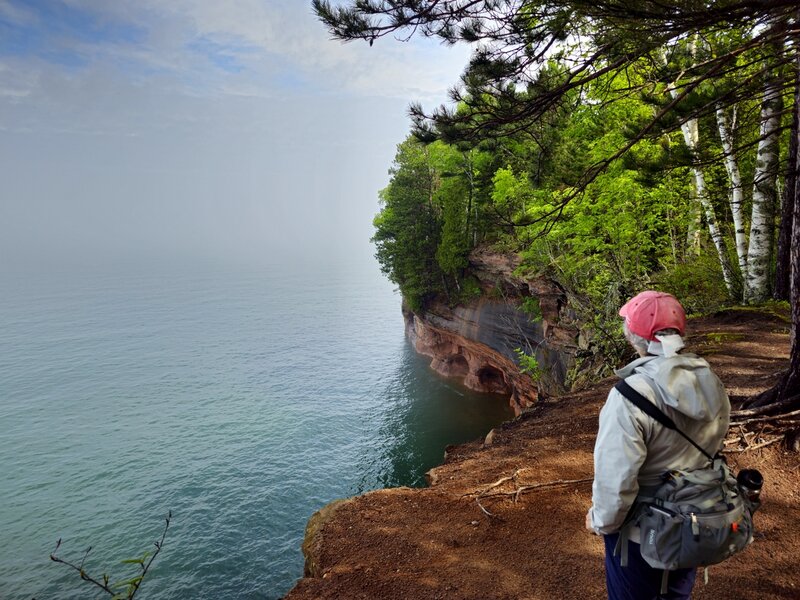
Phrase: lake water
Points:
(242, 402)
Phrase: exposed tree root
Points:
(518, 490)
(774, 407)
(763, 419)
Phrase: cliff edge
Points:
(503, 517)
(479, 343)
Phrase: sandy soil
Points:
(438, 542)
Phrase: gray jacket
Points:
(633, 450)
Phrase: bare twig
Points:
(520, 489)
(134, 583)
(768, 418)
(501, 481)
(740, 439)
(762, 410)
(756, 447)
(79, 568)
(524, 488)
(159, 544)
(486, 512)
(744, 436)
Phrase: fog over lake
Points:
(191, 317)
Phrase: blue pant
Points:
(640, 581)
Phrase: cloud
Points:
(226, 47)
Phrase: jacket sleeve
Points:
(619, 452)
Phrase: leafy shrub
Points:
(696, 282)
(530, 306)
(470, 290)
(528, 364)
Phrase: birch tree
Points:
(691, 138)
(736, 197)
(762, 222)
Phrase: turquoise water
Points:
(242, 402)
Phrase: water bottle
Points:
(750, 483)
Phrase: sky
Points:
(233, 132)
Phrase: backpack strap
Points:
(621, 550)
(656, 413)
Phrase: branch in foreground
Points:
(133, 584)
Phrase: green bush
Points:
(528, 364)
(530, 306)
(470, 290)
(696, 282)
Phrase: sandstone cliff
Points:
(478, 343)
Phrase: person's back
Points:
(633, 451)
(686, 390)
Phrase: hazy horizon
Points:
(229, 133)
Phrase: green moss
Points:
(776, 308)
(723, 338)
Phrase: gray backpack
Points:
(696, 518)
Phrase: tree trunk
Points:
(783, 267)
(694, 232)
(762, 223)
(789, 385)
(468, 171)
(691, 137)
(737, 191)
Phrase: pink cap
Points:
(653, 311)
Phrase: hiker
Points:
(633, 451)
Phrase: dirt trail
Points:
(438, 542)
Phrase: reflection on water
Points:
(426, 414)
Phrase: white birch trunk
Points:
(762, 222)
(691, 138)
(695, 230)
(737, 191)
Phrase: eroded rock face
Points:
(478, 343)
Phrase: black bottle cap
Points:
(751, 479)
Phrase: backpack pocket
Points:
(672, 540)
(661, 536)
(710, 538)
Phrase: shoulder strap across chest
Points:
(656, 413)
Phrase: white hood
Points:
(686, 383)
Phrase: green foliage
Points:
(602, 247)
(528, 364)
(594, 124)
(530, 306)
(602, 238)
(697, 281)
(408, 227)
(430, 220)
(470, 290)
